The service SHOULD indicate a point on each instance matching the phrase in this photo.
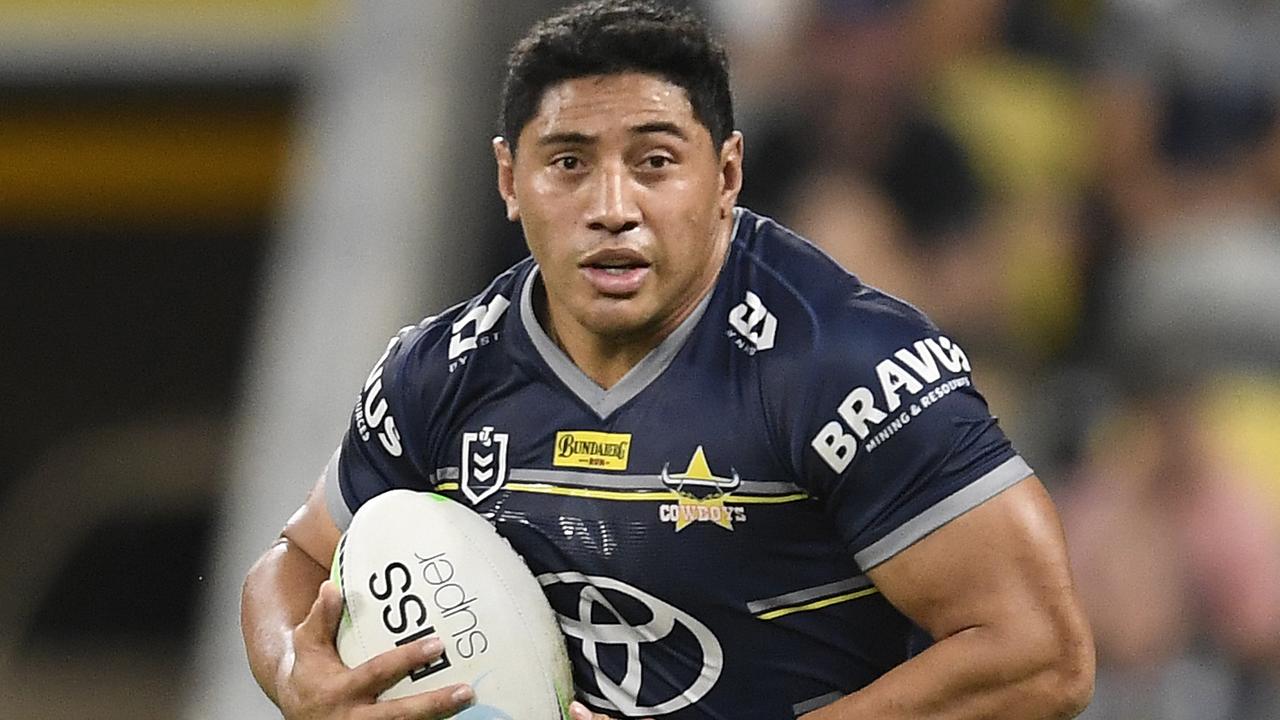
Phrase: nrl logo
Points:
(701, 495)
(484, 463)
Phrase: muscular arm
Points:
(289, 615)
(282, 586)
(994, 590)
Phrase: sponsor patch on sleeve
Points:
(908, 383)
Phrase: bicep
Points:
(312, 529)
(1002, 565)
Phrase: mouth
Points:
(615, 271)
(614, 260)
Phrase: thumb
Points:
(321, 624)
(578, 711)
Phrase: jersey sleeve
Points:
(897, 439)
(375, 455)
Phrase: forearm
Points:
(977, 673)
(278, 592)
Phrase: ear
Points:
(506, 176)
(730, 172)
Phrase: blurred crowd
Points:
(1086, 195)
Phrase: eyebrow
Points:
(577, 138)
(566, 138)
(667, 128)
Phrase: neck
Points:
(606, 359)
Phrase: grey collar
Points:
(604, 402)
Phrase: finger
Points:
(578, 711)
(432, 705)
(383, 670)
(320, 626)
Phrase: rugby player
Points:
(751, 486)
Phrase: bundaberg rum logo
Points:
(591, 449)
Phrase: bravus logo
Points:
(875, 413)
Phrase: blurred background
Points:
(214, 212)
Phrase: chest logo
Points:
(589, 449)
(752, 325)
(623, 623)
(484, 463)
(700, 496)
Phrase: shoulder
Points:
(824, 315)
(847, 360)
(425, 355)
(415, 376)
(453, 333)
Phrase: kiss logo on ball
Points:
(405, 613)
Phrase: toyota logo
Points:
(622, 695)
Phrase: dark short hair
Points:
(606, 37)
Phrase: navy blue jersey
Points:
(704, 526)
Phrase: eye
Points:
(657, 162)
(567, 162)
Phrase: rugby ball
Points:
(416, 564)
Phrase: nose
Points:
(614, 208)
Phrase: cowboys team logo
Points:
(484, 463)
(700, 496)
(615, 620)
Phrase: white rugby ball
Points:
(415, 564)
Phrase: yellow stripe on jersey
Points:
(817, 604)
(633, 495)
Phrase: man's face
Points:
(625, 203)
